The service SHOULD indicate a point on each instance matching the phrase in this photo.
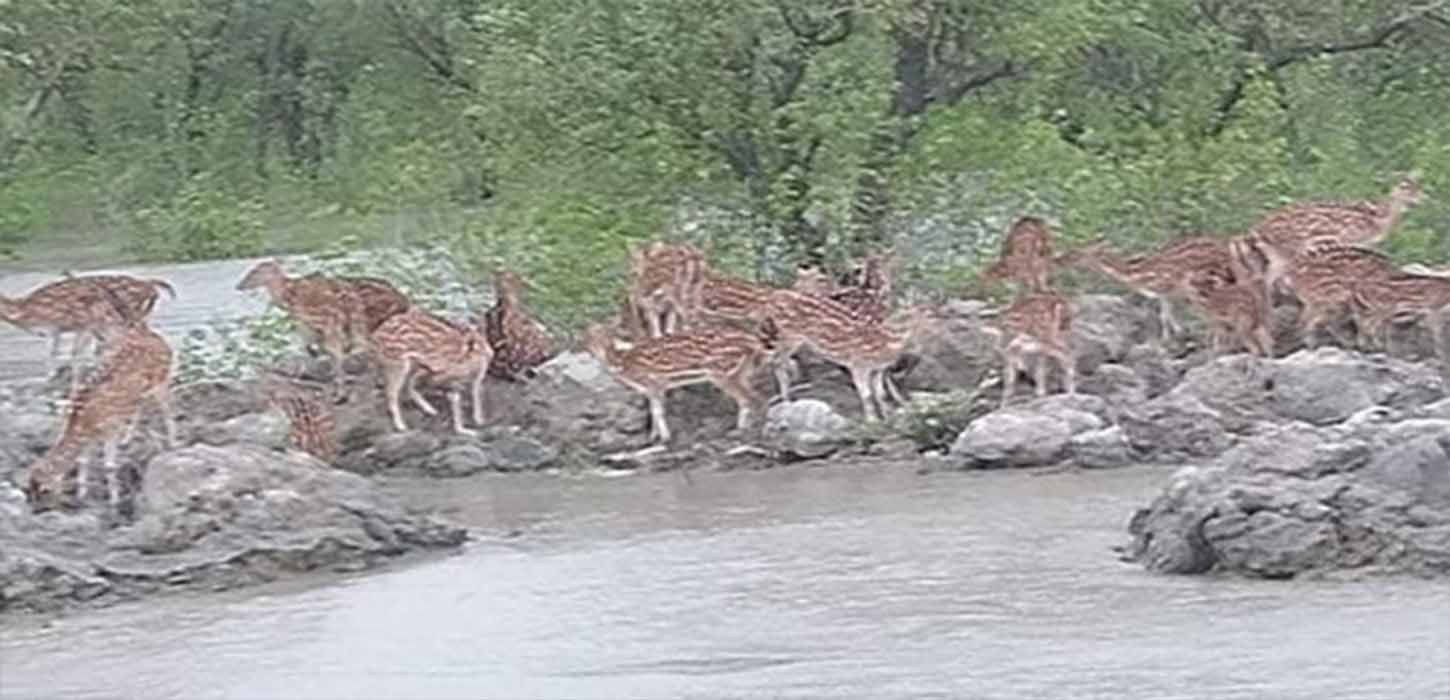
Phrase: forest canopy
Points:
(550, 134)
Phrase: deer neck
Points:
(1117, 268)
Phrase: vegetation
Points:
(549, 134)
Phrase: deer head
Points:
(263, 274)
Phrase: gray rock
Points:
(1036, 433)
(1175, 427)
(1297, 500)
(1101, 449)
(805, 428)
(210, 517)
(265, 429)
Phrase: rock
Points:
(509, 454)
(1174, 428)
(1296, 500)
(211, 517)
(1101, 449)
(263, 429)
(805, 428)
(1033, 434)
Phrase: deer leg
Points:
(168, 415)
(862, 379)
(417, 398)
(1167, 324)
(109, 451)
(1069, 370)
(659, 428)
(395, 374)
(455, 402)
(782, 377)
(1039, 374)
(1437, 319)
(478, 395)
(738, 388)
(1009, 375)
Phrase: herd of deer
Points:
(685, 322)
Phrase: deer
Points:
(312, 427)
(1026, 255)
(1380, 299)
(1161, 275)
(322, 306)
(865, 348)
(451, 351)
(1235, 308)
(519, 343)
(135, 365)
(68, 305)
(719, 355)
(1280, 236)
(1323, 277)
(1037, 323)
(663, 279)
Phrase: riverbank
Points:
(1320, 463)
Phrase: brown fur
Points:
(519, 344)
(1026, 255)
(451, 352)
(1037, 323)
(321, 305)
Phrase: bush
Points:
(200, 222)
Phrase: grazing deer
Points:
(322, 306)
(1381, 299)
(1235, 308)
(519, 344)
(1026, 255)
(312, 427)
(724, 357)
(1036, 323)
(663, 280)
(135, 365)
(71, 305)
(1161, 275)
(1323, 277)
(1282, 235)
(452, 352)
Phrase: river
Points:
(801, 582)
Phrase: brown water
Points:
(800, 582)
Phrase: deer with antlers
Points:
(450, 351)
(135, 366)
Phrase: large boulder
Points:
(211, 517)
(1039, 432)
(1301, 500)
(805, 428)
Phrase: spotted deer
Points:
(321, 305)
(451, 352)
(74, 303)
(1235, 308)
(1161, 275)
(312, 427)
(1038, 324)
(1026, 255)
(722, 356)
(1384, 298)
(1323, 277)
(519, 343)
(135, 366)
(1281, 235)
(374, 300)
(663, 279)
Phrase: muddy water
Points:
(801, 582)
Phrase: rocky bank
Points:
(1313, 462)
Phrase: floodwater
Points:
(841, 581)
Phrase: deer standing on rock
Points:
(320, 305)
(519, 344)
(135, 365)
(451, 352)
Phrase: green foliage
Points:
(201, 222)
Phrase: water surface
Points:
(799, 582)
